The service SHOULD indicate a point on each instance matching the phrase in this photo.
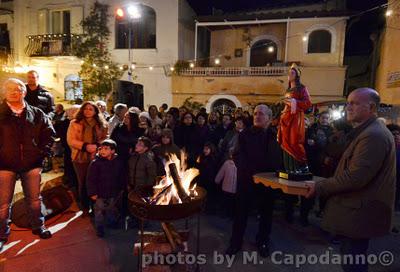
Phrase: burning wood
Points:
(178, 183)
(174, 188)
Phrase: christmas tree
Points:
(98, 71)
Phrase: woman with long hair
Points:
(85, 132)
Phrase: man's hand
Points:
(311, 190)
(94, 197)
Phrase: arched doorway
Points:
(224, 106)
(73, 88)
(263, 52)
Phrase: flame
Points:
(165, 192)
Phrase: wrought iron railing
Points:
(235, 71)
(50, 45)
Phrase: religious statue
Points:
(291, 133)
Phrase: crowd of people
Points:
(105, 156)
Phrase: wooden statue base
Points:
(288, 187)
(294, 176)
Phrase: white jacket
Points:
(228, 175)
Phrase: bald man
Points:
(257, 151)
(361, 193)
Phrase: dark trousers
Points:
(245, 198)
(354, 247)
(81, 174)
(105, 211)
(228, 203)
(30, 181)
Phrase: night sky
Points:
(204, 7)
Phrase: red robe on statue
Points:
(291, 131)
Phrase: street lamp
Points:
(133, 12)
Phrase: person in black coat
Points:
(207, 165)
(185, 137)
(220, 132)
(257, 151)
(202, 133)
(36, 95)
(26, 137)
(126, 135)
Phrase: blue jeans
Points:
(354, 247)
(30, 181)
(105, 209)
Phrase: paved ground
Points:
(75, 246)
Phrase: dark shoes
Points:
(42, 232)
(100, 232)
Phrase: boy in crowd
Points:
(142, 167)
(105, 184)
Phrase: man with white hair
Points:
(103, 108)
(119, 113)
(257, 151)
(26, 136)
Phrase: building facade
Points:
(41, 33)
(249, 54)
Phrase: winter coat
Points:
(258, 151)
(24, 140)
(105, 177)
(228, 175)
(361, 193)
(142, 170)
(125, 140)
(75, 137)
(40, 98)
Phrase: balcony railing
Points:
(47, 45)
(235, 71)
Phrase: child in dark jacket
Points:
(105, 184)
(207, 165)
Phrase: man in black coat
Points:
(257, 151)
(36, 95)
(26, 136)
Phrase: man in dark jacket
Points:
(26, 136)
(258, 151)
(360, 196)
(105, 183)
(36, 95)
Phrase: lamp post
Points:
(133, 13)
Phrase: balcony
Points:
(235, 71)
(48, 45)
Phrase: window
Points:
(263, 53)
(61, 22)
(142, 30)
(319, 41)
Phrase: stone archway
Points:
(223, 103)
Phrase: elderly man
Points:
(118, 117)
(361, 193)
(36, 95)
(257, 151)
(26, 136)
